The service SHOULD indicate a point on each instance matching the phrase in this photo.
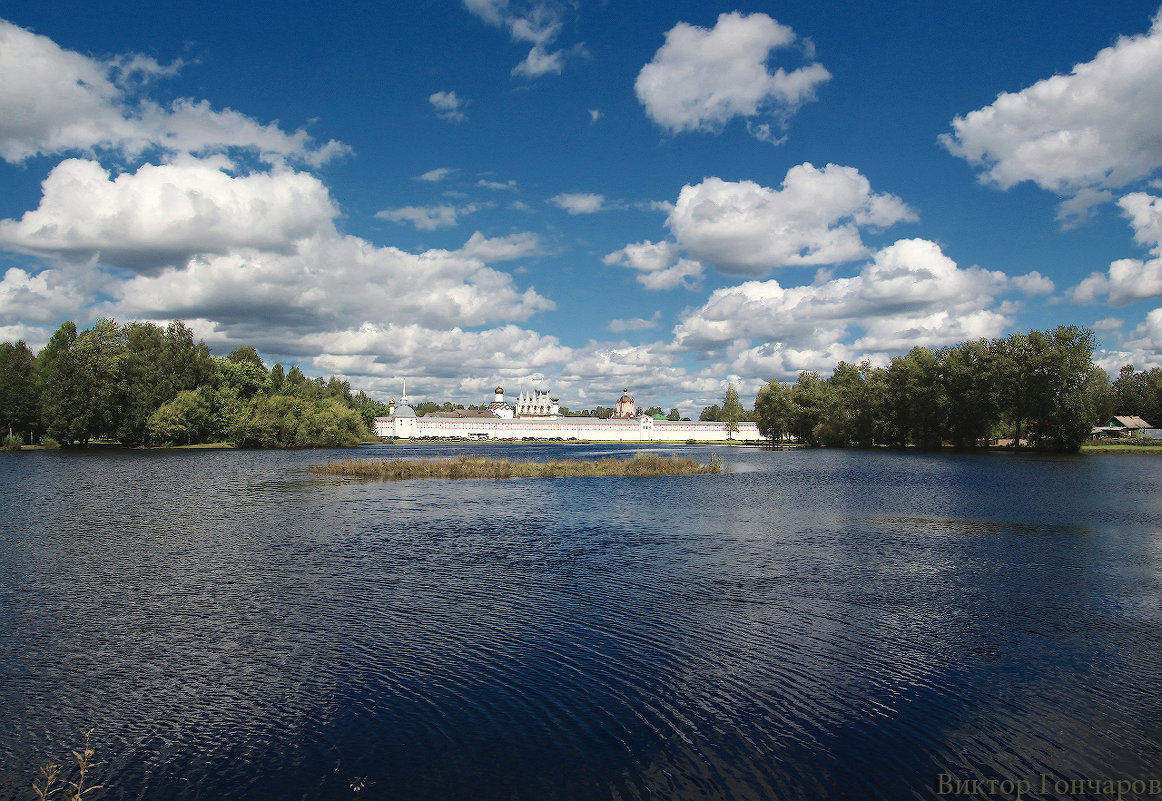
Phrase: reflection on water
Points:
(806, 625)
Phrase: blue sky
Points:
(661, 196)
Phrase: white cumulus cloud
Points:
(1147, 335)
(744, 228)
(428, 218)
(439, 356)
(1093, 129)
(1128, 280)
(909, 294)
(537, 22)
(540, 62)
(1142, 348)
(245, 254)
(448, 106)
(328, 281)
(490, 250)
(635, 323)
(579, 202)
(46, 297)
(658, 264)
(1034, 283)
(436, 175)
(497, 186)
(701, 79)
(163, 214)
(54, 100)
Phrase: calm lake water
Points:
(809, 625)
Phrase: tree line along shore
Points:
(1039, 389)
(141, 384)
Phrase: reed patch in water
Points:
(642, 464)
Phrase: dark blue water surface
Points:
(808, 625)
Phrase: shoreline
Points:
(1086, 449)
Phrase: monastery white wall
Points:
(643, 429)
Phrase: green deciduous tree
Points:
(185, 420)
(1101, 395)
(914, 400)
(1041, 379)
(329, 424)
(340, 390)
(276, 380)
(246, 355)
(100, 358)
(295, 381)
(970, 392)
(188, 365)
(1040, 385)
(857, 397)
(731, 410)
(1064, 407)
(148, 383)
(810, 406)
(289, 421)
(60, 387)
(19, 395)
(242, 378)
(427, 407)
(1139, 393)
(247, 425)
(1014, 369)
(369, 409)
(82, 381)
(774, 409)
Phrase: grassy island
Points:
(642, 464)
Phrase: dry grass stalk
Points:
(51, 785)
(642, 464)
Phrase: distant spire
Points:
(403, 399)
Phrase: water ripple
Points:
(806, 625)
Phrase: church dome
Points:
(626, 398)
(499, 390)
(405, 411)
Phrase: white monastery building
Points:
(537, 416)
